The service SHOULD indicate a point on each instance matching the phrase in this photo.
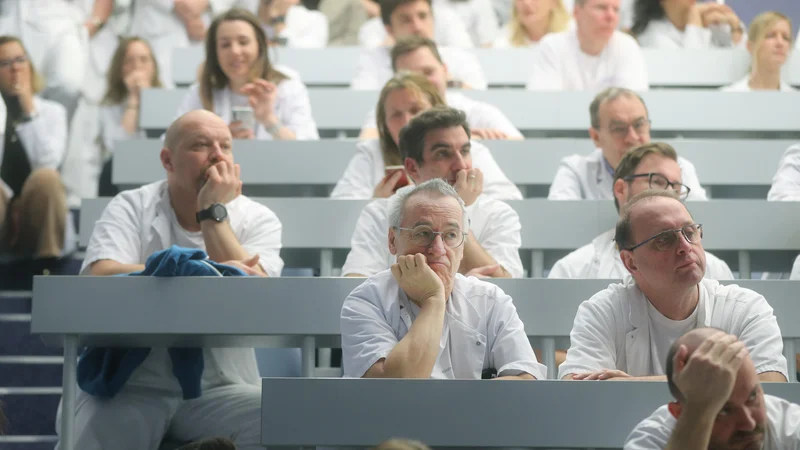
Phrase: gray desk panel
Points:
(463, 413)
(671, 111)
(533, 162)
(319, 223)
(336, 66)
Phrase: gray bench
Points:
(751, 235)
(336, 66)
(728, 168)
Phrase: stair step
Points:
(31, 414)
(15, 302)
(30, 375)
(18, 341)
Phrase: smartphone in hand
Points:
(391, 170)
(245, 115)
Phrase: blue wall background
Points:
(747, 9)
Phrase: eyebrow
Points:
(441, 146)
(754, 391)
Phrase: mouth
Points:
(686, 264)
(438, 263)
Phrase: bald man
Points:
(624, 332)
(719, 403)
(200, 206)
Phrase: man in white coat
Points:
(626, 330)
(786, 183)
(649, 166)
(619, 122)
(436, 144)
(423, 319)
(592, 55)
(412, 17)
(719, 402)
(199, 205)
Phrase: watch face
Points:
(218, 212)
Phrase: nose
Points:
(216, 153)
(416, 25)
(746, 421)
(683, 245)
(437, 247)
(460, 162)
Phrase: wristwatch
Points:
(216, 212)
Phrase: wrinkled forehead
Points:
(204, 128)
(656, 214)
(426, 208)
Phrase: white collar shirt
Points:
(600, 260)
(782, 431)
(786, 182)
(586, 177)
(481, 329)
(496, 227)
(366, 169)
(611, 329)
(743, 85)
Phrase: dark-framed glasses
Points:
(620, 130)
(666, 240)
(6, 63)
(423, 235)
(657, 181)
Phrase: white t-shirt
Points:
(366, 170)
(600, 260)
(481, 329)
(786, 182)
(139, 222)
(560, 64)
(480, 115)
(374, 68)
(495, 225)
(743, 85)
(448, 29)
(586, 177)
(478, 18)
(612, 330)
(782, 433)
(663, 333)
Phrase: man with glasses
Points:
(649, 166)
(619, 122)
(422, 318)
(625, 331)
(436, 144)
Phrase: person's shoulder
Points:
(558, 39)
(140, 199)
(623, 40)
(580, 161)
(738, 86)
(574, 262)
(729, 292)
(783, 419)
(489, 206)
(479, 293)
(685, 164)
(374, 288)
(251, 209)
(618, 294)
(375, 53)
(46, 106)
(369, 147)
(653, 432)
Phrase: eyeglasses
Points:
(6, 63)
(423, 236)
(658, 181)
(666, 240)
(640, 126)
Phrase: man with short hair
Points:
(199, 206)
(591, 55)
(436, 144)
(625, 331)
(649, 166)
(422, 318)
(420, 54)
(719, 402)
(403, 18)
(619, 122)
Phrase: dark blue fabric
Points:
(103, 372)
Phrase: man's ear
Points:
(412, 169)
(392, 246)
(620, 189)
(749, 47)
(166, 159)
(674, 409)
(595, 137)
(627, 259)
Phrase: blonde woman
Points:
(530, 21)
(404, 96)
(769, 43)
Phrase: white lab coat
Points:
(560, 64)
(503, 39)
(786, 182)
(292, 107)
(600, 260)
(374, 68)
(366, 170)
(111, 129)
(782, 430)
(662, 33)
(478, 18)
(743, 85)
(612, 329)
(448, 30)
(496, 227)
(585, 177)
(304, 28)
(480, 115)
(481, 329)
(795, 270)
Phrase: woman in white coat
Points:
(685, 24)
(769, 43)
(530, 21)
(404, 96)
(290, 24)
(133, 68)
(237, 74)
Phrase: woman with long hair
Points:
(133, 68)
(769, 41)
(239, 83)
(402, 97)
(685, 24)
(530, 21)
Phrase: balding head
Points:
(197, 118)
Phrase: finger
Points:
(237, 171)
(396, 273)
(461, 179)
(396, 177)
(579, 376)
(407, 264)
(593, 376)
(212, 174)
(730, 353)
(235, 124)
(478, 134)
(252, 261)
(419, 260)
(723, 344)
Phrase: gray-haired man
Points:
(421, 318)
